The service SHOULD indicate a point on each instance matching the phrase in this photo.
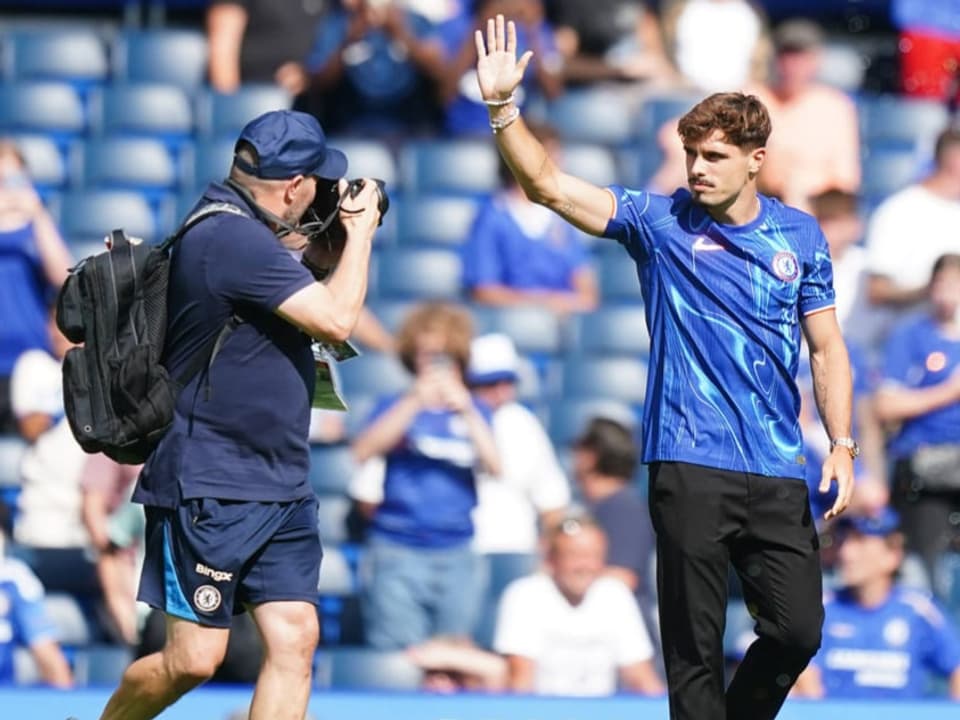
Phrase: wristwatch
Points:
(852, 446)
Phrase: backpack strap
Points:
(201, 214)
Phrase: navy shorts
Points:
(208, 559)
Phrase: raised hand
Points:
(498, 70)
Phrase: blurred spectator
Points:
(373, 70)
(261, 41)
(717, 45)
(531, 487)
(24, 622)
(49, 523)
(913, 227)
(455, 664)
(921, 394)
(464, 111)
(33, 264)
(880, 641)
(815, 143)
(610, 40)
(605, 460)
(435, 438)
(570, 630)
(115, 526)
(520, 253)
(929, 47)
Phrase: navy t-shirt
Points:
(240, 434)
(625, 519)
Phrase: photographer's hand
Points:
(360, 215)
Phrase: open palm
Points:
(498, 70)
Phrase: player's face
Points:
(717, 171)
(865, 558)
(577, 559)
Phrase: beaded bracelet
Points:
(500, 103)
(502, 123)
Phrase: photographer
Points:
(231, 517)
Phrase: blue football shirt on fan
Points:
(23, 620)
(886, 652)
(723, 304)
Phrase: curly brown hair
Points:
(451, 321)
(743, 120)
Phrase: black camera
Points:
(322, 222)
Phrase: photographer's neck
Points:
(266, 205)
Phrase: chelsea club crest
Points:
(785, 266)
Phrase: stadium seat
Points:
(47, 107)
(11, 450)
(373, 374)
(212, 160)
(91, 215)
(75, 55)
(843, 66)
(331, 467)
(100, 664)
(449, 166)
(142, 109)
(887, 170)
(636, 164)
(369, 158)
(618, 276)
(47, 166)
(890, 117)
(435, 219)
(622, 378)
(593, 115)
(368, 669)
(225, 114)
(336, 577)
(178, 57)
(568, 417)
(418, 273)
(391, 313)
(656, 110)
(593, 163)
(532, 329)
(67, 616)
(142, 164)
(332, 511)
(613, 330)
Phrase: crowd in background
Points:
(460, 495)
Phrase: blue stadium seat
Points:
(102, 665)
(655, 111)
(636, 164)
(594, 115)
(90, 215)
(11, 450)
(48, 107)
(373, 374)
(74, 55)
(332, 511)
(418, 273)
(67, 616)
(887, 170)
(212, 160)
(613, 330)
(178, 57)
(391, 313)
(890, 117)
(227, 113)
(436, 219)
(369, 158)
(142, 109)
(331, 467)
(593, 163)
(47, 166)
(141, 164)
(617, 378)
(618, 276)
(532, 329)
(336, 577)
(451, 166)
(568, 417)
(368, 669)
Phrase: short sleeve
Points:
(30, 617)
(366, 484)
(517, 631)
(633, 640)
(816, 284)
(550, 489)
(885, 239)
(251, 265)
(482, 261)
(633, 217)
(944, 648)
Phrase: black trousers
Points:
(706, 519)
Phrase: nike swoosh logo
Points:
(705, 245)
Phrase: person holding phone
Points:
(434, 439)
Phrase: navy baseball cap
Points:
(881, 525)
(289, 143)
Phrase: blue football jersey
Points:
(890, 651)
(23, 619)
(723, 305)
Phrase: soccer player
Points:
(729, 278)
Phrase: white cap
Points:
(493, 358)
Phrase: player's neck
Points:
(742, 210)
(874, 593)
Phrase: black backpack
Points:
(118, 398)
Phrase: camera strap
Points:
(268, 218)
